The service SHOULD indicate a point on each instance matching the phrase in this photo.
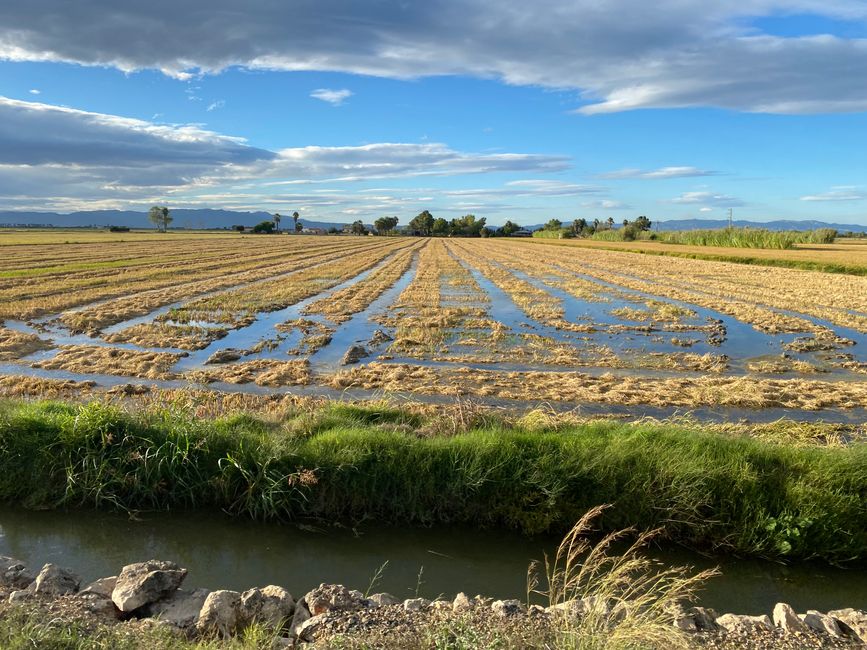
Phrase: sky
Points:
(345, 110)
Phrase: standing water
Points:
(221, 552)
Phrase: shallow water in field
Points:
(236, 554)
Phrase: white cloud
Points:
(661, 173)
(333, 97)
(619, 55)
(35, 91)
(705, 209)
(215, 105)
(708, 199)
(606, 204)
(107, 160)
(841, 193)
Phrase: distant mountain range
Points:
(705, 224)
(198, 219)
(209, 218)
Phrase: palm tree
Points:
(295, 217)
(277, 218)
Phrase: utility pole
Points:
(730, 218)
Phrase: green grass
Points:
(349, 463)
(726, 237)
(560, 233)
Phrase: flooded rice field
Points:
(501, 321)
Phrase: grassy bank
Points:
(846, 260)
(348, 463)
(725, 237)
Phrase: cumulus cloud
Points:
(661, 173)
(35, 91)
(333, 97)
(619, 54)
(53, 156)
(842, 193)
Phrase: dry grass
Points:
(15, 345)
(615, 600)
(162, 335)
(92, 359)
(625, 390)
(263, 372)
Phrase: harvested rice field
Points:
(498, 321)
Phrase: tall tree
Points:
(295, 217)
(422, 223)
(358, 228)
(160, 217)
(509, 227)
(277, 218)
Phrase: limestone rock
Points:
(787, 619)
(383, 600)
(854, 619)
(272, 606)
(55, 581)
(462, 603)
(506, 608)
(327, 597)
(742, 623)
(416, 604)
(821, 623)
(14, 573)
(181, 608)
(570, 609)
(146, 582)
(102, 587)
(20, 596)
(308, 629)
(220, 614)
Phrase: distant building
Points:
(314, 231)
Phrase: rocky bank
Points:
(152, 592)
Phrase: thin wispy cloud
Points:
(215, 105)
(658, 174)
(333, 97)
(708, 199)
(843, 193)
(35, 91)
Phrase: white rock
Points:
(144, 583)
(383, 600)
(271, 606)
(571, 608)
(416, 604)
(55, 581)
(181, 608)
(787, 619)
(20, 596)
(220, 614)
(507, 607)
(308, 629)
(102, 587)
(854, 619)
(821, 623)
(462, 603)
(13, 573)
(744, 623)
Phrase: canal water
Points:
(221, 552)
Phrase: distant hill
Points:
(700, 224)
(203, 218)
(704, 224)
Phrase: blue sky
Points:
(564, 109)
